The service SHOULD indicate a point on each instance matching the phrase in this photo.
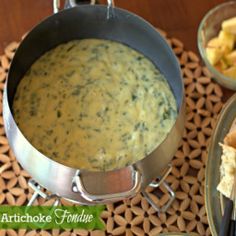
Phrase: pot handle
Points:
(72, 3)
(56, 6)
(78, 186)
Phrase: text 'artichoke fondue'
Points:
(94, 104)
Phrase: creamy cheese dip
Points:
(94, 104)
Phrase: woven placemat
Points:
(135, 216)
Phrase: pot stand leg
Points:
(156, 184)
(39, 193)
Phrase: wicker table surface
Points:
(135, 216)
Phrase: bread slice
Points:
(227, 170)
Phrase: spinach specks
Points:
(58, 114)
(139, 58)
(76, 92)
(141, 126)
(134, 97)
(71, 47)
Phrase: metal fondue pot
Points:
(88, 21)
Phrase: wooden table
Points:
(179, 18)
